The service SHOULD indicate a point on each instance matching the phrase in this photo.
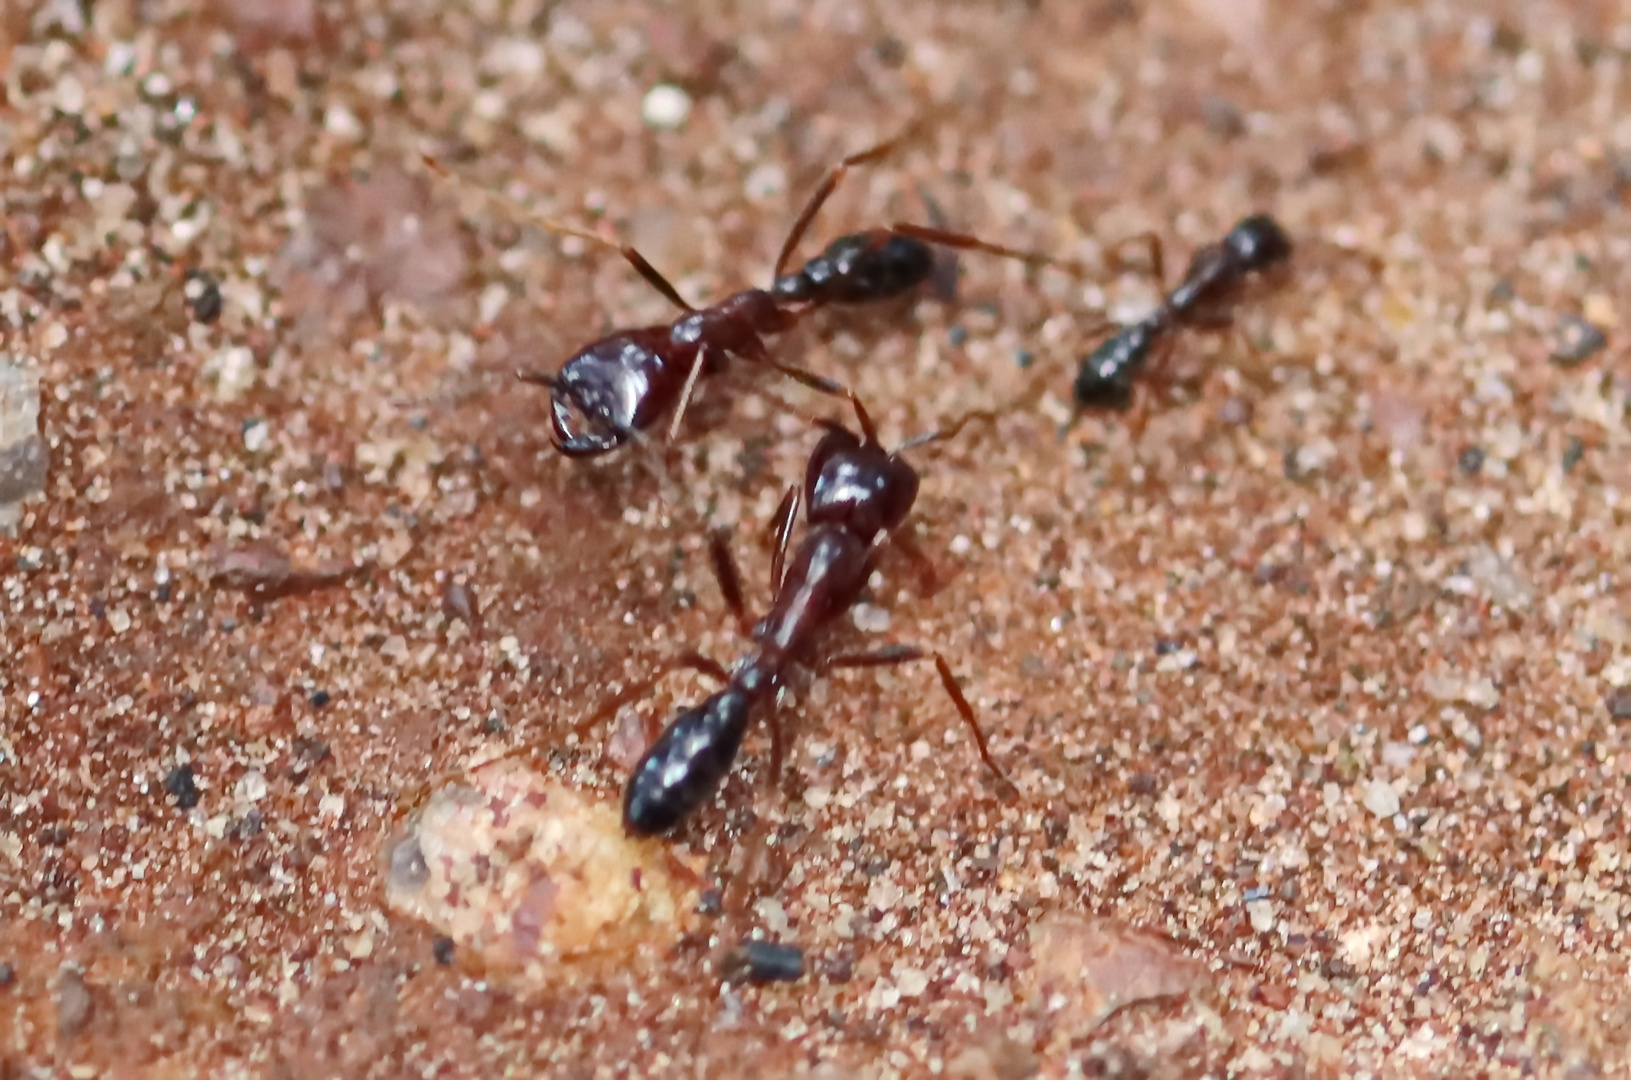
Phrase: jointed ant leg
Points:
(782, 524)
(928, 580)
(728, 576)
(819, 383)
(904, 654)
(965, 242)
(1152, 247)
(688, 659)
(823, 190)
(517, 209)
(687, 392)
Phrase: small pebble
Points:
(319, 698)
(1381, 799)
(1573, 451)
(762, 962)
(180, 783)
(257, 433)
(1471, 460)
(665, 107)
(1577, 341)
(443, 950)
(957, 335)
(1619, 704)
(8, 975)
(74, 1003)
(204, 298)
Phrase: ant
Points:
(623, 384)
(856, 495)
(1217, 272)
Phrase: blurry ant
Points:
(1215, 277)
(623, 384)
(856, 495)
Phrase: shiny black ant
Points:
(1202, 300)
(622, 385)
(856, 496)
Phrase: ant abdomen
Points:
(683, 768)
(860, 268)
(1105, 378)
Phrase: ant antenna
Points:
(517, 209)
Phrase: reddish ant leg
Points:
(687, 392)
(824, 190)
(891, 655)
(687, 660)
(728, 576)
(782, 536)
(928, 580)
(1155, 261)
(517, 209)
(966, 242)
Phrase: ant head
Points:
(854, 482)
(1258, 242)
(603, 396)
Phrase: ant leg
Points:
(928, 580)
(516, 209)
(1152, 254)
(688, 659)
(891, 655)
(819, 383)
(786, 515)
(823, 190)
(687, 392)
(965, 242)
(777, 747)
(728, 576)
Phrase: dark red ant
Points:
(1202, 300)
(623, 384)
(856, 495)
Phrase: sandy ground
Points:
(1311, 689)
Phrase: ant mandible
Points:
(1201, 300)
(856, 495)
(623, 384)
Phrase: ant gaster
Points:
(856, 495)
(623, 384)
(1214, 278)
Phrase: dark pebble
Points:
(1142, 784)
(711, 903)
(1619, 704)
(180, 784)
(1024, 358)
(204, 298)
(8, 974)
(319, 698)
(1577, 342)
(442, 949)
(458, 602)
(1167, 646)
(1573, 451)
(1471, 460)
(761, 962)
(957, 335)
(1222, 117)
